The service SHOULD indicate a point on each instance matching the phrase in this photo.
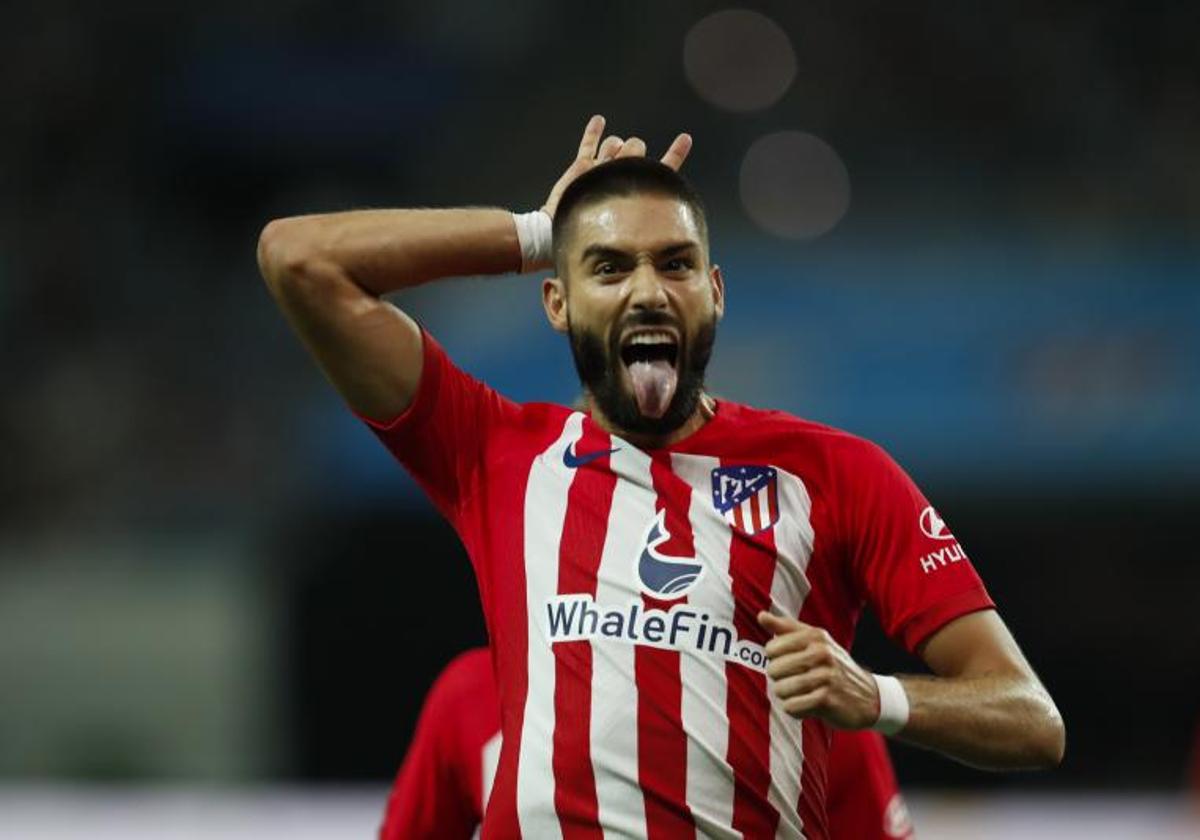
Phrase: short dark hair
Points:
(620, 178)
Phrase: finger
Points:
(806, 705)
(634, 147)
(778, 624)
(802, 684)
(591, 138)
(800, 639)
(789, 664)
(678, 151)
(609, 148)
(787, 643)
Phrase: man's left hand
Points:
(814, 676)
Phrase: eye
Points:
(677, 264)
(609, 269)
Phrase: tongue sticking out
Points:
(653, 386)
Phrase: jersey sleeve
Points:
(441, 438)
(909, 566)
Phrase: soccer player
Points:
(670, 581)
(443, 784)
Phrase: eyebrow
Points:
(609, 253)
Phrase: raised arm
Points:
(984, 706)
(328, 273)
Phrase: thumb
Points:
(777, 624)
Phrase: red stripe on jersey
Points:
(505, 594)
(582, 544)
(752, 570)
(662, 744)
(816, 737)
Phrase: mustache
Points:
(649, 318)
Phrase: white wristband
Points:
(893, 705)
(535, 235)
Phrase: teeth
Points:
(652, 338)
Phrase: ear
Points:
(554, 301)
(718, 290)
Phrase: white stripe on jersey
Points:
(491, 760)
(614, 731)
(793, 547)
(545, 511)
(709, 776)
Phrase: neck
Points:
(706, 409)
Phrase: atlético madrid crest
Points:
(747, 496)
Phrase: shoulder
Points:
(466, 704)
(543, 414)
(464, 677)
(790, 434)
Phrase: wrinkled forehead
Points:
(632, 224)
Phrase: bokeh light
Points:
(794, 185)
(739, 60)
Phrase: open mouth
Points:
(655, 346)
(650, 356)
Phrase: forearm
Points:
(328, 273)
(994, 721)
(384, 250)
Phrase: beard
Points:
(599, 366)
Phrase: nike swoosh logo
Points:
(573, 461)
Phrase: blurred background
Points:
(969, 232)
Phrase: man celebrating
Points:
(670, 581)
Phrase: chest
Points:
(727, 535)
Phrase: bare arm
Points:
(328, 272)
(984, 706)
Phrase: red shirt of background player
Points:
(442, 785)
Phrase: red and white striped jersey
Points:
(621, 598)
(446, 777)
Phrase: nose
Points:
(646, 290)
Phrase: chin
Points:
(605, 372)
(623, 411)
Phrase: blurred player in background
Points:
(442, 788)
(670, 581)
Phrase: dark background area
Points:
(985, 257)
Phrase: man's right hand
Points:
(592, 152)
